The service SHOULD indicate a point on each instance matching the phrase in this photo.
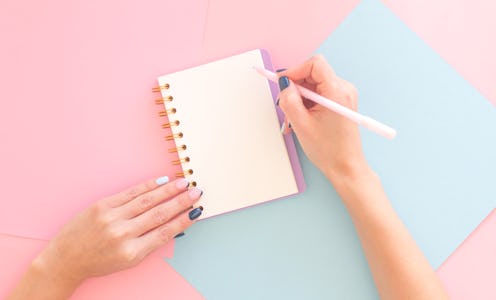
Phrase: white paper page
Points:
(229, 125)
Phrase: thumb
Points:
(291, 102)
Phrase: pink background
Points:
(469, 273)
(462, 32)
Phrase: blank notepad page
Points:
(228, 123)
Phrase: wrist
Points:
(348, 172)
(55, 273)
(352, 176)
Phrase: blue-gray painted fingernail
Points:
(195, 213)
(179, 235)
(283, 83)
(162, 180)
(280, 70)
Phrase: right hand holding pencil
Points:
(330, 141)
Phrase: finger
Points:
(165, 233)
(286, 127)
(289, 127)
(132, 192)
(147, 201)
(291, 103)
(165, 212)
(350, 94)
(314, 71)
(283, 126)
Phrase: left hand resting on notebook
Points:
(113, 234)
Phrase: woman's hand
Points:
(113, 234)
(330, 141)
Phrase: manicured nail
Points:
(283, 127)
(162, 180)
(195, 213)
(182, 183)
(280, 70)
(277, 102)
(179, 235)
(283, 83)
(195, 193)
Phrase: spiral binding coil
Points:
(159, 88)
(173, 136)
(162, 100)
(170, 124)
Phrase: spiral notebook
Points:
(225, 129)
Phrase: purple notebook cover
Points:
(288, 138)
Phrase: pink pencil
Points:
(365, 121)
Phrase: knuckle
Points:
(348, 100)
(133, 192)
(116, 232)
(351, 94)
(167, 191)
(148, 186)
(353, 91)
(95, 210)
(184, 200)
(129, 254)
(103, 220)
(292, 97)
(164, 234)
(113, 201)
(100, 215)
(335, 86)
(319, 58)
(288, 103)
(145, 202)
(99, 207)
(105, 201)
(184, 222)
(160, 216)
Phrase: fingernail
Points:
(283, 127)
(195, 213)
(283, 83)
(179, 235)
(182, 183)
(289, 125)
(162, 180)
(195, 193)
(277, 103)
(280, 70)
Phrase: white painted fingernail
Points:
(195, 193)
(162, 180)
(182, 183)
(283, 126)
